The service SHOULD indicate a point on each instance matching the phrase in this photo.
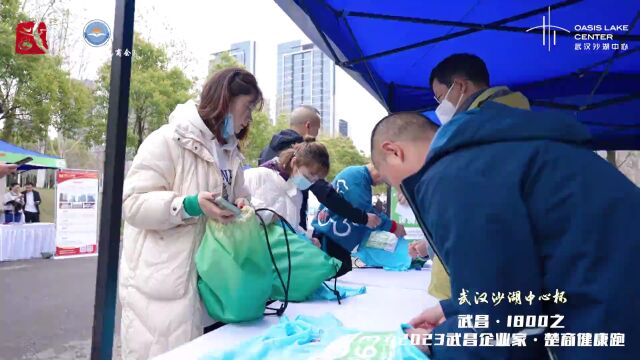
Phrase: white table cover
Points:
(26, 241)
(392, 298)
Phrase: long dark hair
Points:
(218, 93)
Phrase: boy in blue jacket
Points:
(340, 236)
(526, 219)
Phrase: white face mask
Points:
(446, 109)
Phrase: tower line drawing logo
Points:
(547, 29)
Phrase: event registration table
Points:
(392, 298)
(26, 241)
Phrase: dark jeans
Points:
(334, 250)
(30, 217)
(10, 217)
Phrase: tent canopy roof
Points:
(390, 47)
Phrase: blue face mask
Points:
(227, 127)
(301, 182)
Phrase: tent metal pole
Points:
(413, 87)
(608, 102)
(111, 209)
(468, 25)
(541, 103)
(459, 33)
(610, 62)
(611, 126)
(375, 83)
(322, 35)
(554, 105)
(580, 72)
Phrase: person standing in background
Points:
(13, 204)
(32, 201)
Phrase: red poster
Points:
(77, 198)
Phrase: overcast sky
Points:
(203, 27)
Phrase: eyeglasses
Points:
(437, 99)
(445, 95)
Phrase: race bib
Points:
(366, 345)
(382, 240)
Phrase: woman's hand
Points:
(242, 202)
(418, 248)
(323, 216)
(400, 231)
(413, 251)
(211, 210)
(373, 221)
(316, 242)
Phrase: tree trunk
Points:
(611, 157)
(7, 130)
(139, 131)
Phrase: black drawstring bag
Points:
(311, 265)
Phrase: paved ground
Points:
(46, 309)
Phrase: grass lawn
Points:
(48, 205)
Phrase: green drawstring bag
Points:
(310, 265)
(235, 269)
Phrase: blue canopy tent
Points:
(10, 153)
(390, 47)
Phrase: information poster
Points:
(403, 214)
(76, 213)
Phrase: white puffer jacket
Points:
(161, 308)
(269, 190)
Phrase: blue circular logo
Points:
(96, 33)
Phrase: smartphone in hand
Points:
(21, 162)
(223, 203)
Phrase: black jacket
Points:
(323, 190)
(279, 142)
(36, 198)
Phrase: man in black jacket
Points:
(305, 121)
(32, 204)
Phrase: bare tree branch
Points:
(629, 154)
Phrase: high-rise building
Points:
(343, 128)
(306, 76)
(244, 52)
(266, 107)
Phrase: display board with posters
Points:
(77, 196)
(403, 214)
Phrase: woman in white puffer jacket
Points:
(278, 184)
(168, 196)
